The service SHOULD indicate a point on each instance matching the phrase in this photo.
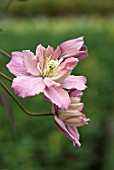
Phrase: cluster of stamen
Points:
(50, 68)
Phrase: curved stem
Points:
(6, 54)
(6, 77)
(20, 105)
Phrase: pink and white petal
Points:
(74, 43)
(75, 133)
(58, 96)
(69, 63)
(48, 51)
(25, 86)
(16, 65)
(49, 83)
(56, 54)
(40, 51)
(61, 76)
(71, 133)
(30, 62)
(74, 82)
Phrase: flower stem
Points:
(6, 54)
(20, 105)
(6, 77)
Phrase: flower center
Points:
(49, 68)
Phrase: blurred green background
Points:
(38, 144)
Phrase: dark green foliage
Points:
(39, 144)
(59, 7)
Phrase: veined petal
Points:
(83, 53)
(61, 76)
(65, 69)
(75, 93)
(56, 54)
(40, 50)
(48, 51)
(25, 86)
(49, 83)
(76, 121)
(70, 132)
(69, 63)
(16, 65)
(77, 43)
(74, 48)
(63, 115)
(77, 106)
(58, 96)
(30, 62)
(76, 82)
(75, 133)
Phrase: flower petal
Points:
(70, 132)
(40, 50)
(16, 65)
(75, 133)
(65, 69)
(48, 51)
(76, 82)
(58, 96)
(25, 86)
(69, 63)
(30, 62)
(56, 54)
(74, 48)
(75, 93)
(77, 43)
(49, 83)
(82, 53)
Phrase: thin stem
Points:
(6, 54)
(6, 77)
(20, 105)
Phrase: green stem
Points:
(6, 54)
(6, 77)
(20, 105)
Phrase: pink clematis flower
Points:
(48, 72)
(67, 121)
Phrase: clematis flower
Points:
(48, 72)
(68, 121)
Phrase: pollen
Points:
(50, 68)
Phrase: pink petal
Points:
(70, 132)
(74, 48)
(30, 62)
(82, 53)
(48, 51)
(25, 86)
(40, 50)
(75, 93)
(75, 133)
(69, 63)
(49, 83)
(56, 54)
(76, 82)
(74, 43)
(16, 65)
(65, 69)
(58, 96)
(61, 76)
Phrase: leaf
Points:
(6, 104)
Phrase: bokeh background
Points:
(35, 143)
